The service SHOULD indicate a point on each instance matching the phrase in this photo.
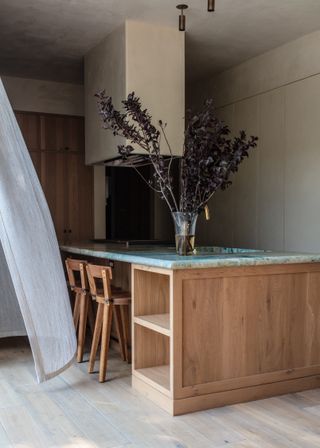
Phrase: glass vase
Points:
(185, 228)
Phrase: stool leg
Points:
(119, 322)
(76, 310)
(91, 314)
(82, 326)
(126, 330)
(105, 340)
(96, 337)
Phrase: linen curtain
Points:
(33, 294)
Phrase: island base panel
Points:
(219, 399)
(236, 334)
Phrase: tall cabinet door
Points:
(86, 199)
(54, 182)
(29, 123)
(80, 198)
(74, 134)
(62, 133)
(56, 146)
(30, 126)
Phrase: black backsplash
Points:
(129, 205)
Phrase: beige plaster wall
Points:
(147, 59)
(155, 71)
(44, 96)
(99, 192)
(105, 67)
(274, 202)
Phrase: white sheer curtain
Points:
(33, 293)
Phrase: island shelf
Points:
(156, 322)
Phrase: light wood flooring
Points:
(74, 410)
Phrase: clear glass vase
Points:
(185, 229)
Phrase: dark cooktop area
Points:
(129, 242)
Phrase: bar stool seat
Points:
(109, 301)
(115, 293)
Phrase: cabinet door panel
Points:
(30, 127)
(85, 199)
(63, 133)
(56, 145)
(53, 130)
(55, 184)
(74, 134)
(36, 159)
(73, 215)
(80, 198)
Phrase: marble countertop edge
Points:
(161, 258)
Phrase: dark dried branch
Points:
(209, 158)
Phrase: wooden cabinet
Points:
(56, 146)
(62, 133)
(30, 127)
(204, 338)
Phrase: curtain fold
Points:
(34, 297)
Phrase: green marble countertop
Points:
(206, 257)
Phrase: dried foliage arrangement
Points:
(210, 155)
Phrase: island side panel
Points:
(244, 327)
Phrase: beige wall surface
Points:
(100, 194)
(274, 202)
(155, 71)
(144, 58)
(105, 67)
(34, 95)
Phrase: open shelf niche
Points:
(152, 332)
(152, 357)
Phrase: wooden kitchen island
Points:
(224, 326)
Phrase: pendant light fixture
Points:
(182, 17)
(211, 5)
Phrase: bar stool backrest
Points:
(99, 276)
(77, 275)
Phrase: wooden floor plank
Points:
(21, 429)
(55, 422)
(76, 411)
(87, 418)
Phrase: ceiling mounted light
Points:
(182, 17)
(211, 5)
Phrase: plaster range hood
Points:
(145, 58)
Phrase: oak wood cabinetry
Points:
(209, 337)
(56, 146)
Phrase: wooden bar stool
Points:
(109, 301)
(83, 309)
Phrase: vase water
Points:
(185, 229)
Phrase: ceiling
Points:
(47, 39)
